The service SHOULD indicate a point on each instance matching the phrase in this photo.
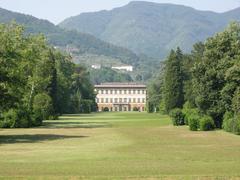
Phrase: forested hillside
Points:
(151, 28)
(85, 43)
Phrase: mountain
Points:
(152, 28)
(85, 46)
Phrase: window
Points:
(115, 91)
(139, 100)
(120, 100)
(97, 100)
(134, 100)
(111, 100)
(111, 91)
(120, 91)
(125, 91)
(143, 92)
(106, 100)
(134, 91)
(129, 92)
(138, 91)
(116, 100)
(143, 100)
(106, 91)
(125, 100)
(101, 91)
(102, 100)
(129, 100)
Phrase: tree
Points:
(174, 96)
(214, 79)
(11, 83)
(37, 81)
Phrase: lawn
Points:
(117, 146)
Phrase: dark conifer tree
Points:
(174, 96)
(53, 83)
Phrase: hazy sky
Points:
(57, 10)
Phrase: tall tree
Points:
(174, 96)
(212, 75)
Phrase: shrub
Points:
(187, 111)
(14, 118)
(86, 106)
(105, 109)
(150, 107)
(42, 107)
(227, 121)
(206, 123)
(24, 119)
(177, 117)
(9, 119)
(135, 109)
(162, 108)
(193, 122)
(231, 123)
(192, 117)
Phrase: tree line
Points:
(202, 89)
(37, 82)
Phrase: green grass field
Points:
(117, 146)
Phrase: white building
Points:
(121, 96)
(96, 66)
(125, 68)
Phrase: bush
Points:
(191, 117)
(193, 122)
(14, 118)
(24, 119)
(42, 107)
(105, 109)
(9, 119)
(227, 121)
(187, 111)
(206, 123)
(86, 106)
(231, 123)
(177, 117)
(150, 107)
(135, 109)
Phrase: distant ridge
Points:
(85, 43)
(83, 47)
(152, 28)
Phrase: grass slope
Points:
(117, 146)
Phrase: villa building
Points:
(121, 96)
(123, 68)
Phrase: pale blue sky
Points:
(57, 10)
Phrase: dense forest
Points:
(202, 89)
(37, 82)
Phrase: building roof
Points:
(120, 85)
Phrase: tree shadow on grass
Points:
(33, 138)
(89, 125)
